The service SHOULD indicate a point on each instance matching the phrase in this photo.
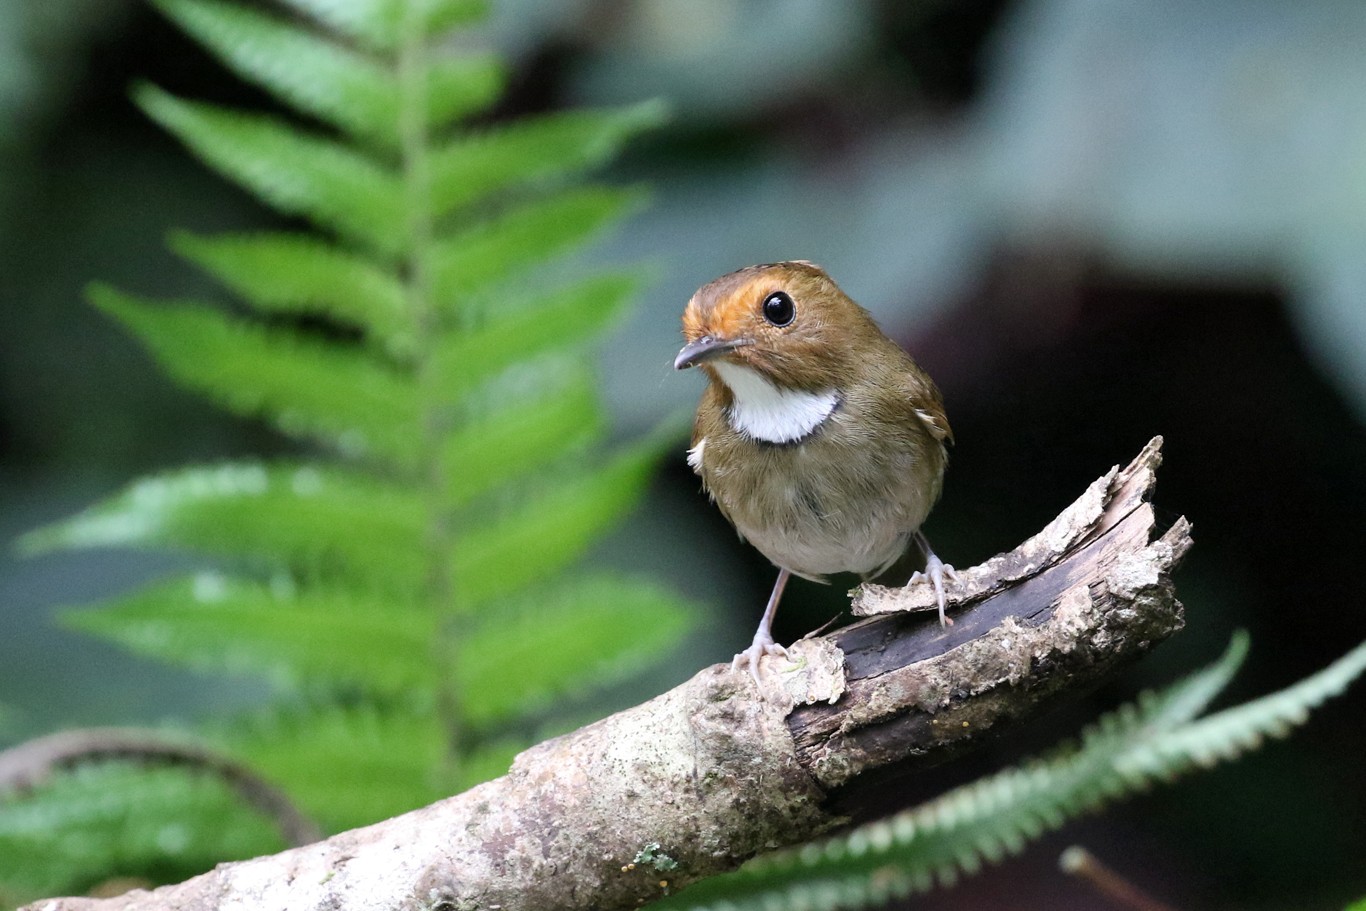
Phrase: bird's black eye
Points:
(779, 309)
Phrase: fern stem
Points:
(1081, 863)
(440, 592)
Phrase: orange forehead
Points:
(728, 310)
(729, 306)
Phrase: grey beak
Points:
(705, 348)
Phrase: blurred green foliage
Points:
(406, 582)
(113, 819)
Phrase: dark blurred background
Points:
(1092, 222)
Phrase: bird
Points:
(820, 440)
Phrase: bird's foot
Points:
(761, 646)
(936, 571)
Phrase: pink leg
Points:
(936, 571)
(763, 643)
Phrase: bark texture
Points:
(695, 781)
(1058, 614)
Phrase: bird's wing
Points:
(929, 406)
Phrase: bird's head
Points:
(788, 322)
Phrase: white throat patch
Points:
(769, 413)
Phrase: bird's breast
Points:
(846, 498)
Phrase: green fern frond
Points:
(347, 766)
(997, 816)
(325, 181)
(460, 86)
(1231, 733)
(468, 262)
(306, 386)
(298, 273)
(345, 88)
(348, 89)
(497, 448)
(1174, 705)
(492, 561)
(329, 638)
(522, 326)
(408, 582)
(470, 168)
(320, 522)
(582, 631)
(119, 819)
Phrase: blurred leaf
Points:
(516, 441)
(347, 767)
(392, 597)
(109, 819)
(323, 523)
(550, 532)
(335, 187)
(1184, 699)
(308, 387)
(532, 151)
(585, 630)
(347, 89)
(477, 257)
(332, 637)
(300, 273)
(461, 86)
(522, 328)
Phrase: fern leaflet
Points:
(406, 582)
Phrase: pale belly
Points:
(821, 508)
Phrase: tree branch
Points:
(695, 781)
(1057, 615)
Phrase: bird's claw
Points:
(936, 571)
(760, 647)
